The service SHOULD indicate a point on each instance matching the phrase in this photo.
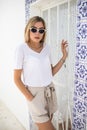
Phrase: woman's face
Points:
(36, 32)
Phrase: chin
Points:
(37, 41)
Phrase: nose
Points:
(37, 32)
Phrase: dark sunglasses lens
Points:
(33, 30)
(41, 31)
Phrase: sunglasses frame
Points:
(38, 30)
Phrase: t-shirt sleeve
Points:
(18, 58)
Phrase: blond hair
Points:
(31, 23)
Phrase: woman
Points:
(33, 62)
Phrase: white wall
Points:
(12, 23)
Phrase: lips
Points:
(37, 38)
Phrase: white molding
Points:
(43, 5)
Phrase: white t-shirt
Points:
(36, 66)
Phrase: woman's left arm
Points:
(57, 67)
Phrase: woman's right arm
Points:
(21, 86)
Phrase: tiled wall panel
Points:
(80, 90)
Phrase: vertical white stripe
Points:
(49, 26)
(67, 65)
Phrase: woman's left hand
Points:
(64, 45)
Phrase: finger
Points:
(64, 42)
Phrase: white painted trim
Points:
(49, 26)
(57, 24)
(43, 5)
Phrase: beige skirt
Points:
(44, 103)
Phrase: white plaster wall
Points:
(12, 23)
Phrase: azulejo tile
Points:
(80, 91)
(79, 123)
(82, 30)
(81, 52)
(81, 71)
(82, 9)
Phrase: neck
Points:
(35, 45)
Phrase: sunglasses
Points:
(34, 30)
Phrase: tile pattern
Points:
(27, 9)
(80, 91)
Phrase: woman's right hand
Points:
(64, 45)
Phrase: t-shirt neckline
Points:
(44, 45)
